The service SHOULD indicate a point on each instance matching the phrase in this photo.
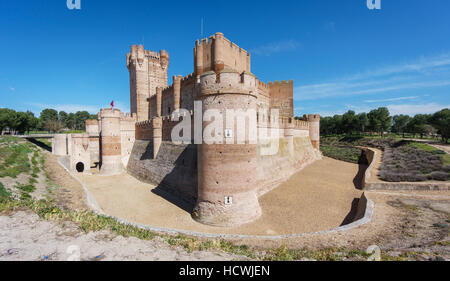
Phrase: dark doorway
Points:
(80, 167)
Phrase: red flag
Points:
(112, 104)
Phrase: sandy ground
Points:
(415, 223)
(23, 236)
(443, 147)
(374, 177)
(70, 193)
(317, 198)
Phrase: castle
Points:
(224, 179)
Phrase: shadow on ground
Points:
(350, 217)
(40, 144)
(177, 201)
(363, 164)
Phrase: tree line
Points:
(379, 120)
(49, 120)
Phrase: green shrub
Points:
(4, 192)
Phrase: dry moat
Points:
(320, 197)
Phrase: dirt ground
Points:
(310, 201)
(412, 225)
(416, 222)
(23, 236)
(70, 193)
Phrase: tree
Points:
(441, 121)
(53, 125)
(400, 123)
(80, 118)
(62, 116)
(379, 120)
(70, 121)
(48, 114)
(325, 126)
(349, 122)
(20, 122)
(32, 121)
(6, 117)
(363, 122)
(418, 125)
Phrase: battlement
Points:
(91, 122)
(188, 77)
(300, 124)
(128, 117)
(219, 36)
(138, 54)
(227, 81)
(165, 90)
(281, 83)
(311, 117)
(110, 113)
(281, 122)
(217, 53)
(262, 85)
(143, 124)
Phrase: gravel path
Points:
(24, 236)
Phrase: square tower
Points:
(148, 70)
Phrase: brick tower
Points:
(111, 149)
(148, 70)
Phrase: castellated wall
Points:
(219, 53)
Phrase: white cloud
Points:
(395, 109)
(392, 99)
(419, 66)
(425, 73)
(276, 47)
(413, 109)
(12, 89)
(330, 113)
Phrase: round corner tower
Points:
(111, 152)
(227, 181)
(314, 129)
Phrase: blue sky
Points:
(340, 54)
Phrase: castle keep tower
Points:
(226, 181)
(219, 53)
(111, 162)
(148, 70)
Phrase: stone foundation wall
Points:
(275, 169)
(174, 169)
